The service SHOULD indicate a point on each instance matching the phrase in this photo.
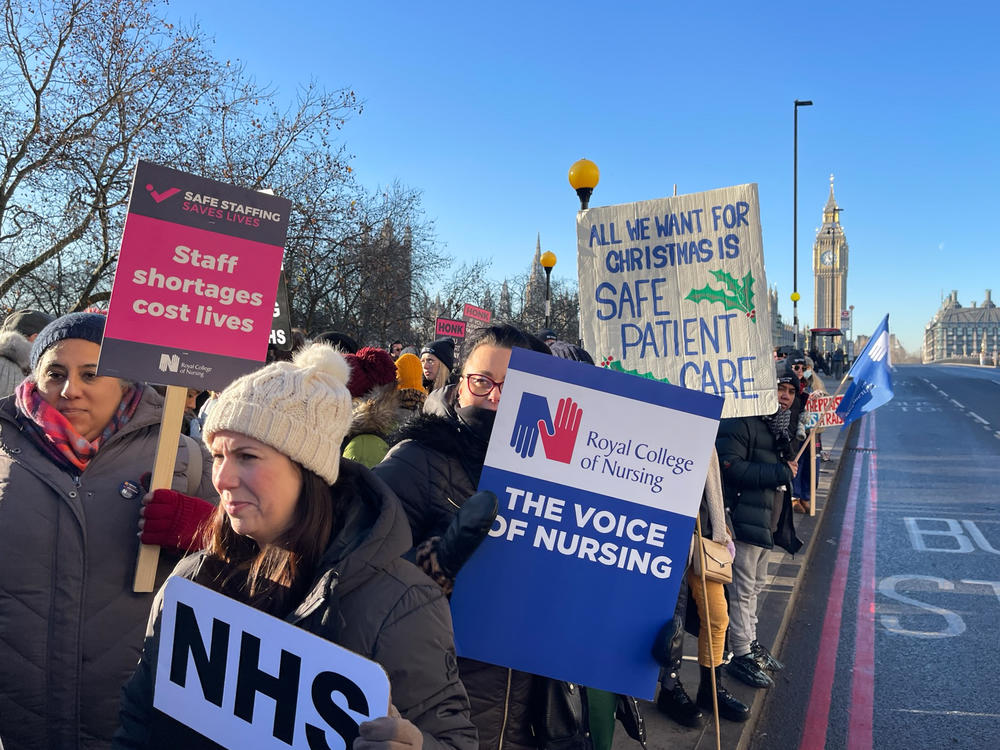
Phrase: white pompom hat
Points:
(300, 408)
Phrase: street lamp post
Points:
(548, 261)
(583, 176)
(795, 218)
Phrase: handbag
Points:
(718, 563)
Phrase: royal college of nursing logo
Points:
(558, 435)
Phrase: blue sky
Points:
(483, 107)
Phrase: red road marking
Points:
(859, 726)
(818, 713)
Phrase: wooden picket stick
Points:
(163, 473)
(708, 627)
(812, 477)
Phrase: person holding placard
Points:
(316, 540)
(758, 465)
(435, 469)
(74, 446)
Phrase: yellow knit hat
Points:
(300, 408)
(409, 373)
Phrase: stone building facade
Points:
(963, 333)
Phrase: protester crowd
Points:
(335, 488)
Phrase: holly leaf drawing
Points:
(737, 294)
(613, 364)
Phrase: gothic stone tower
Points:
(830, 255)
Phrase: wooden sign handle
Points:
(163, 473)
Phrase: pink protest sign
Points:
(449, 327)
(477, 313)
(194, 291)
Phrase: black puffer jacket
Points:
(365, 598)
(434, 467)
(751, 473)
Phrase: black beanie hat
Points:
(785, 374)
(443, 349)
(80, 325)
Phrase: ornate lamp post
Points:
(548, 261)
(583, 176)
(795, 218)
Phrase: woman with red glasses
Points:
(434, 468)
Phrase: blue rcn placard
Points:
(599, 476)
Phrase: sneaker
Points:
(763, 657)
(678, 706)
(746, 669)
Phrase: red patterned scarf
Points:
(53, 433)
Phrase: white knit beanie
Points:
(300, 408)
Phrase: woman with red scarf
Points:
(74, 447)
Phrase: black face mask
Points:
(478, 420)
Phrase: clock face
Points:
(826, 258)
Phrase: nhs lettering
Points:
(674, 290)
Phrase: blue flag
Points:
(872, 384)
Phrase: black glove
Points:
(467, 529)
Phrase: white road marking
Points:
(960, 406)
(996, 435)
(977, 418)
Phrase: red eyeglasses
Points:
(481, 385)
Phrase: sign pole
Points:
(163, 472)
(708, 625)
(812, 476)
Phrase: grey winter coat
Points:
(363, 597)
(70, 627)
(15, 353)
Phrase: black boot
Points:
(746, 669)
(730, 708)
(763, 657)
(676, 703)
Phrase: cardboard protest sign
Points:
(477, 313)
(599, 475)
(674, 290)
(195, 285)
(245, 679)
(449, 327)
(821, 411)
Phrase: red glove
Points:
(173, 519)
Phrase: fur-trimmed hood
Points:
(375, 413)
(16, 348)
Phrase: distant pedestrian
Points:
(410, 384)
(438, 360)
(338, 339)
(838, 363)
(15, 351)
(375, 405)
(28, 323)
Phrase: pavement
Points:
(785, 574)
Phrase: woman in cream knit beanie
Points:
(318, 541)
(300, 408)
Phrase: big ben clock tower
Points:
(830, 272)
